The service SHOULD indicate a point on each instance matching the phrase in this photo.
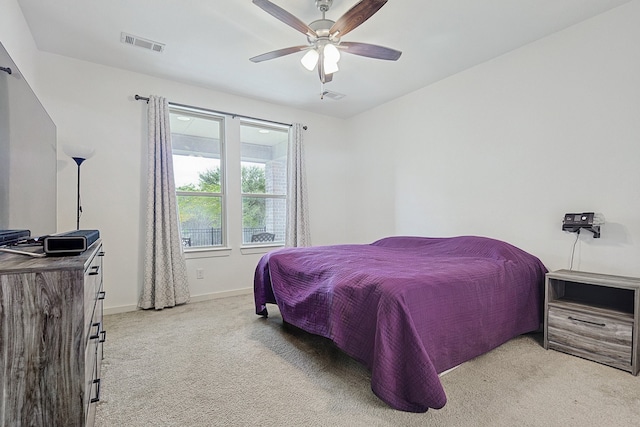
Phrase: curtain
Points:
(297, 233)
(165, 281)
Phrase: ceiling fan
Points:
(324, 37)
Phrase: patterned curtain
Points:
(298, 233)
(165, 271)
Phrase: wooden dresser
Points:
(51, 338)
(594, 316)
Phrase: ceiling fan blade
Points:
(370, 50)
(285, 17)
(355, 16)
(278, 53)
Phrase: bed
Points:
(408, 308)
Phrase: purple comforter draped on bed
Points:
(408, 308)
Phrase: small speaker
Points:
(8, 237)
(70, 243)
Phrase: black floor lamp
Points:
(78, 161)
(79, 155)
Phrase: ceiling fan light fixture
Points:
(324, 36)
(330, 67)
(331, 53)
(310, 59)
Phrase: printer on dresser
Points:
(51, 336)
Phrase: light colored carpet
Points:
(216, 363)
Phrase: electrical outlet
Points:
(199, 273)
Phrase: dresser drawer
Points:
(592, 335)
(94, 396)
(93, 362)
(90, 373)
(92, 287)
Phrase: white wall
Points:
(17, 40)
(503, 150)
(373, 139)
(93, 106)
(506, 148)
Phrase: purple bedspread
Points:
(408, 308)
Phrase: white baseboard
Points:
(195, 298)
(223, 294)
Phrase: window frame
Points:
(223, 194)
(264, 124)
(231, 195)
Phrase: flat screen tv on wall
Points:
(28, 161)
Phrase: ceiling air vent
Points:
(333, 95)
(140, 42)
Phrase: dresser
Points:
(51, 338)
(594, 316)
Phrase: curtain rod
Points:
(234, 115)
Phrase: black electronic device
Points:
(70, 243)
(591, 221)
(9, 237)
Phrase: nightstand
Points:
(593, 316)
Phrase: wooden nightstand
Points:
(593, 316)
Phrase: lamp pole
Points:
(78, 161)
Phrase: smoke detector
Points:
(140, 42)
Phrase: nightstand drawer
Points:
(594, 316)
(599, 337)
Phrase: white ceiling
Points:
(209, 42)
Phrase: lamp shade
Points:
(310, 59)
(78, 151)
(331, 56)
(331, 53)
(330, 67)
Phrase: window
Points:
(198, 163)
(263, 160)
(231, 182)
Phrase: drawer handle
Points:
(95, 269)
(97, 398)
(97, 334)
(586, 321)
(102, 294)
(101, 253)
(104, 336)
